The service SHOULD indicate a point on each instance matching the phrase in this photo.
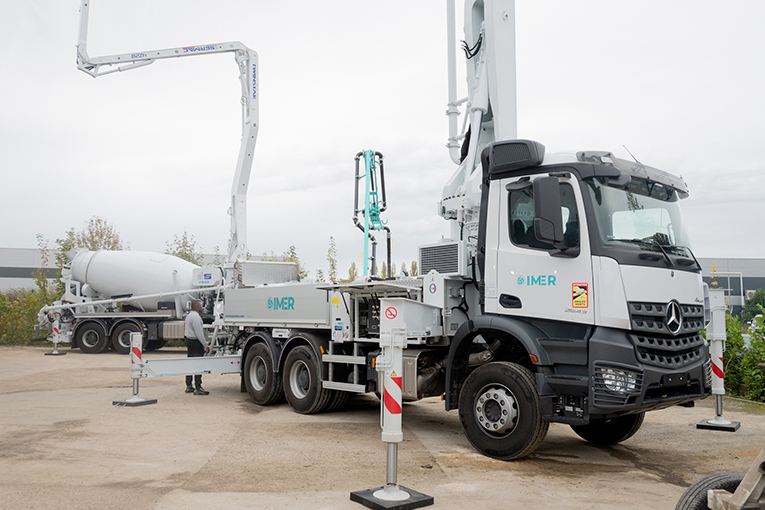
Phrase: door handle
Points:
(508, 301)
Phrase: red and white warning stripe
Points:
(393, 393)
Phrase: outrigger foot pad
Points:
(368, 499)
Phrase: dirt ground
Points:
(64, 445)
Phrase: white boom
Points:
(490, 107)
(247, 60)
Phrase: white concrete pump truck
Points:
(567, 292)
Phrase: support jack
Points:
(718, 423)
(135, 400)
(392, 495)
(55, 351)
(136, 362)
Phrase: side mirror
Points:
(548, 220)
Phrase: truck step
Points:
(355, 388)
(342, 358)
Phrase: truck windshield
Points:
(645, 214)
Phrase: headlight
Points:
(619, 381)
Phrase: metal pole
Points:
(392, 469)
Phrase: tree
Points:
(217, 257)
(414, 268)
(404, 269)
(353, 273)
(392, 271)
(332, 260)
(384, 271)
(185, 247)
(750, 308)
(319, 275)
(98, 234)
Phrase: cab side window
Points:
(522, 218)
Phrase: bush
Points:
(743, 378)
(18, 314)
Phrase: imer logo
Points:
(534, 280)
(285, 303)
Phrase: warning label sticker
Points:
(580, 295)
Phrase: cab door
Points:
(532, 278)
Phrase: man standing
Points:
(196, 344)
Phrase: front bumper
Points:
(627, 373)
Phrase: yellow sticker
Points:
(580, 295)
(335, 301)
(393, 374)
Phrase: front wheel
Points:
(610, 431)
(92, 339)
(262, 383)
(500, 411)
(695, 497)
(302, 382)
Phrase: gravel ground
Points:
(64, 445)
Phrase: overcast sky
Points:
(681, 84)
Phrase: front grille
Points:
(652, 318)
(673, 352)
(656, 345)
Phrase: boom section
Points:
(247, 61)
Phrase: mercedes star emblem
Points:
(674, 318)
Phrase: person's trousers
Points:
(196, 350)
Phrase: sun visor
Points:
(629, 169)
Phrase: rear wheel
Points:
(302, 382)
(338, 400)
(695, 497)
(500, 411)
(92, 339)
(262, 383)
(610, 431)
(121, 336)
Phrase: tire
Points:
(610, 431)
(91, 338)
(337, 400)
(302, 382)
(121, 336)
(262, 383)
(500, 411)
(695, 497)
(154, 345)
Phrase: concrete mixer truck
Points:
(111, 294)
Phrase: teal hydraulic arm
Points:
(374, 204)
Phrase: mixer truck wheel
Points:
(92, 339)
(500, 411)
(121, 337)
(302, 382)
(263, 384)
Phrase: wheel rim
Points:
(258, 373)
(124, 339)
(496, 410)
(300, 379)
(90, 339)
